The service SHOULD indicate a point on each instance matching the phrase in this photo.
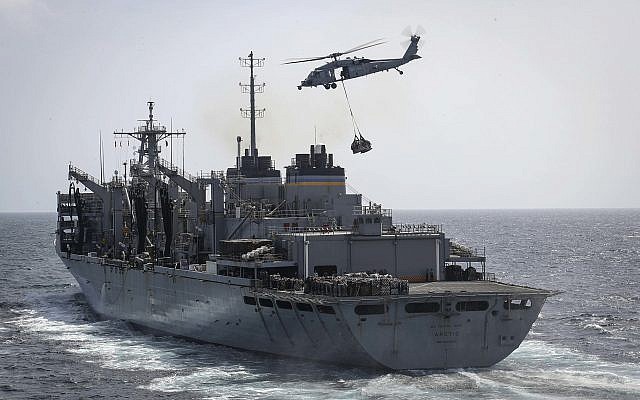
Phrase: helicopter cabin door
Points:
(355, 70)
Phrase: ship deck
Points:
(416, 290)
(472, 288)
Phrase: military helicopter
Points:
(354, 67)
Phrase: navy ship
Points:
(294, 266)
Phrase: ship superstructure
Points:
(291, 265)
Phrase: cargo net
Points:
(356, 284)
(277, 282)
(456, 273)
(347, 285)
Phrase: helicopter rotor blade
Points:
(335, 55)
(364, 46)
(407, 31)
(301, 60)
(420, 30)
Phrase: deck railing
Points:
(83, 174)
(174, 168)
(415, 228)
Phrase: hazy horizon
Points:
(412, 209)
(513, 106)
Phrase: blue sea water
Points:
(585, 345)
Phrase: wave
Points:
(599, 328)
(537, 370)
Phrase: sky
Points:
(514, 104)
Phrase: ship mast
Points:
(252, 89)
(149, 135)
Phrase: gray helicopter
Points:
(354, 67)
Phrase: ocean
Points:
(585, 344)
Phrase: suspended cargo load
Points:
(360, 145)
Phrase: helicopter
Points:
(355, 67)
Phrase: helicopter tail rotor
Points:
(418, 31)
(413, 34)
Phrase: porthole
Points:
(265, 302)
(285, 305)
(369, 309)
(304, 307)
(250, 300)
(325, 309)
(472, 305)
(428, 307)
(517, 304)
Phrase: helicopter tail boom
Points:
(412, 50)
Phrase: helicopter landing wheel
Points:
(327, 86)
(299, 87)
(333, 85)
(400, 72)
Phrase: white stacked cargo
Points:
(253, 254)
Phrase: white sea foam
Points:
(601, 329)
(536, 370)
(549, 369)
(101, 342)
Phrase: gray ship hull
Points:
(219, 309)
